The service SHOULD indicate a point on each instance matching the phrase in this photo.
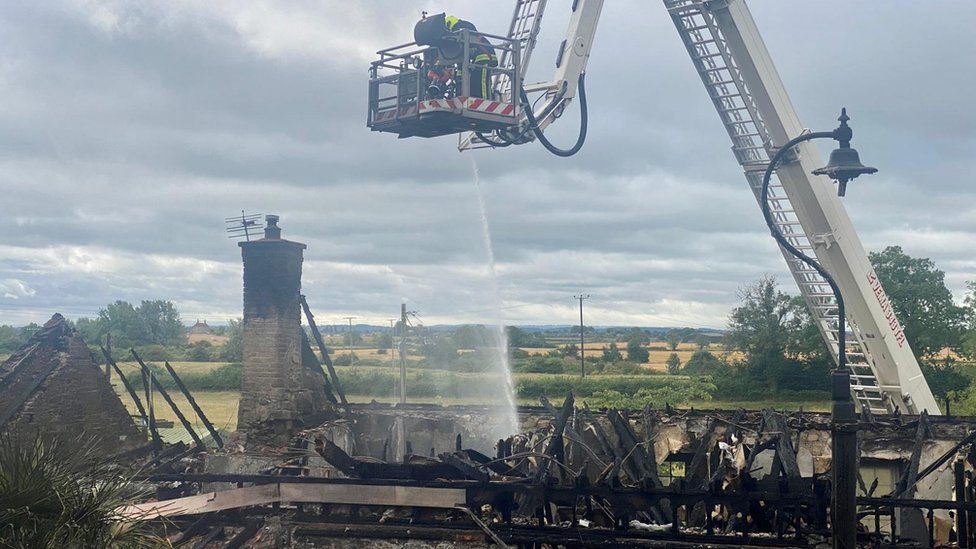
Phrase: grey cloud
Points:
(131, 129)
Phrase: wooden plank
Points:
(906, 484)
(244, 535)
(194, 405)
(643, 467)
(310, 361)
(697, 471)
(266, 494)
(774, 422)
(554, 448)
(179, 415)
(147, 386)
(324, 350)
(128, 386)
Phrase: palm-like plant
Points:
(54, 495)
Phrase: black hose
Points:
(534, 125)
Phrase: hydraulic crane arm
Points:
(571, 60)
(745, 88)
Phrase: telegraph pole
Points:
(401, 431)
(403, 354)
(392, 342)
(350, 319)
(581, 297)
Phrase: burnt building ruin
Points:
(51, 386)
(576, 477)
(312, 470)
(280, 390)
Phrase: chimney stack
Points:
(276, 389)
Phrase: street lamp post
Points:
(844, 165)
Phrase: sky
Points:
(130, 129)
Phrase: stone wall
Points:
(278, 393)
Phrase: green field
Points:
(445, 388)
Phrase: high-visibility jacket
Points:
(481, 50)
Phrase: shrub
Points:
(698, 389)
(201, 351)
(555, 386)
(623, 368)
(154, 352)
(539, 365)
(223, 378)
(66, 495)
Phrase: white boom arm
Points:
(738, 72)
(574, 53)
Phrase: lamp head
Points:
(845, 163)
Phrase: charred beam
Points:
(128, 386)
(193, 404)
(324, 350)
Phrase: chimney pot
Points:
(271, 229)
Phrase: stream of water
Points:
(510, 424)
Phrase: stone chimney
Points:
(278, 393)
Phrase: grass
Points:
(782, 405)
(219, 406)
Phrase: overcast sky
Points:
(130, 129)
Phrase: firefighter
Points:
(437, 30)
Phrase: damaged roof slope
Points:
(51, 385)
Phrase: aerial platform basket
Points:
(401, 102)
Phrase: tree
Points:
(155, 322)
(161, 322)
(384, 341)
(570, 350)
(773, 330)
(352, 338)
(704, 363)
(442, 351)
(90, 330)
(473, 336)
(921, 300)
(612, 353)
(11, 338)
(674, 363)
(636, 352)
(233, 349)
(122, 320)
(517, 337)
(673, 339)
(968, 345)
(944, 378)
(702, 342)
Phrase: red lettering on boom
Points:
(886, 308)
